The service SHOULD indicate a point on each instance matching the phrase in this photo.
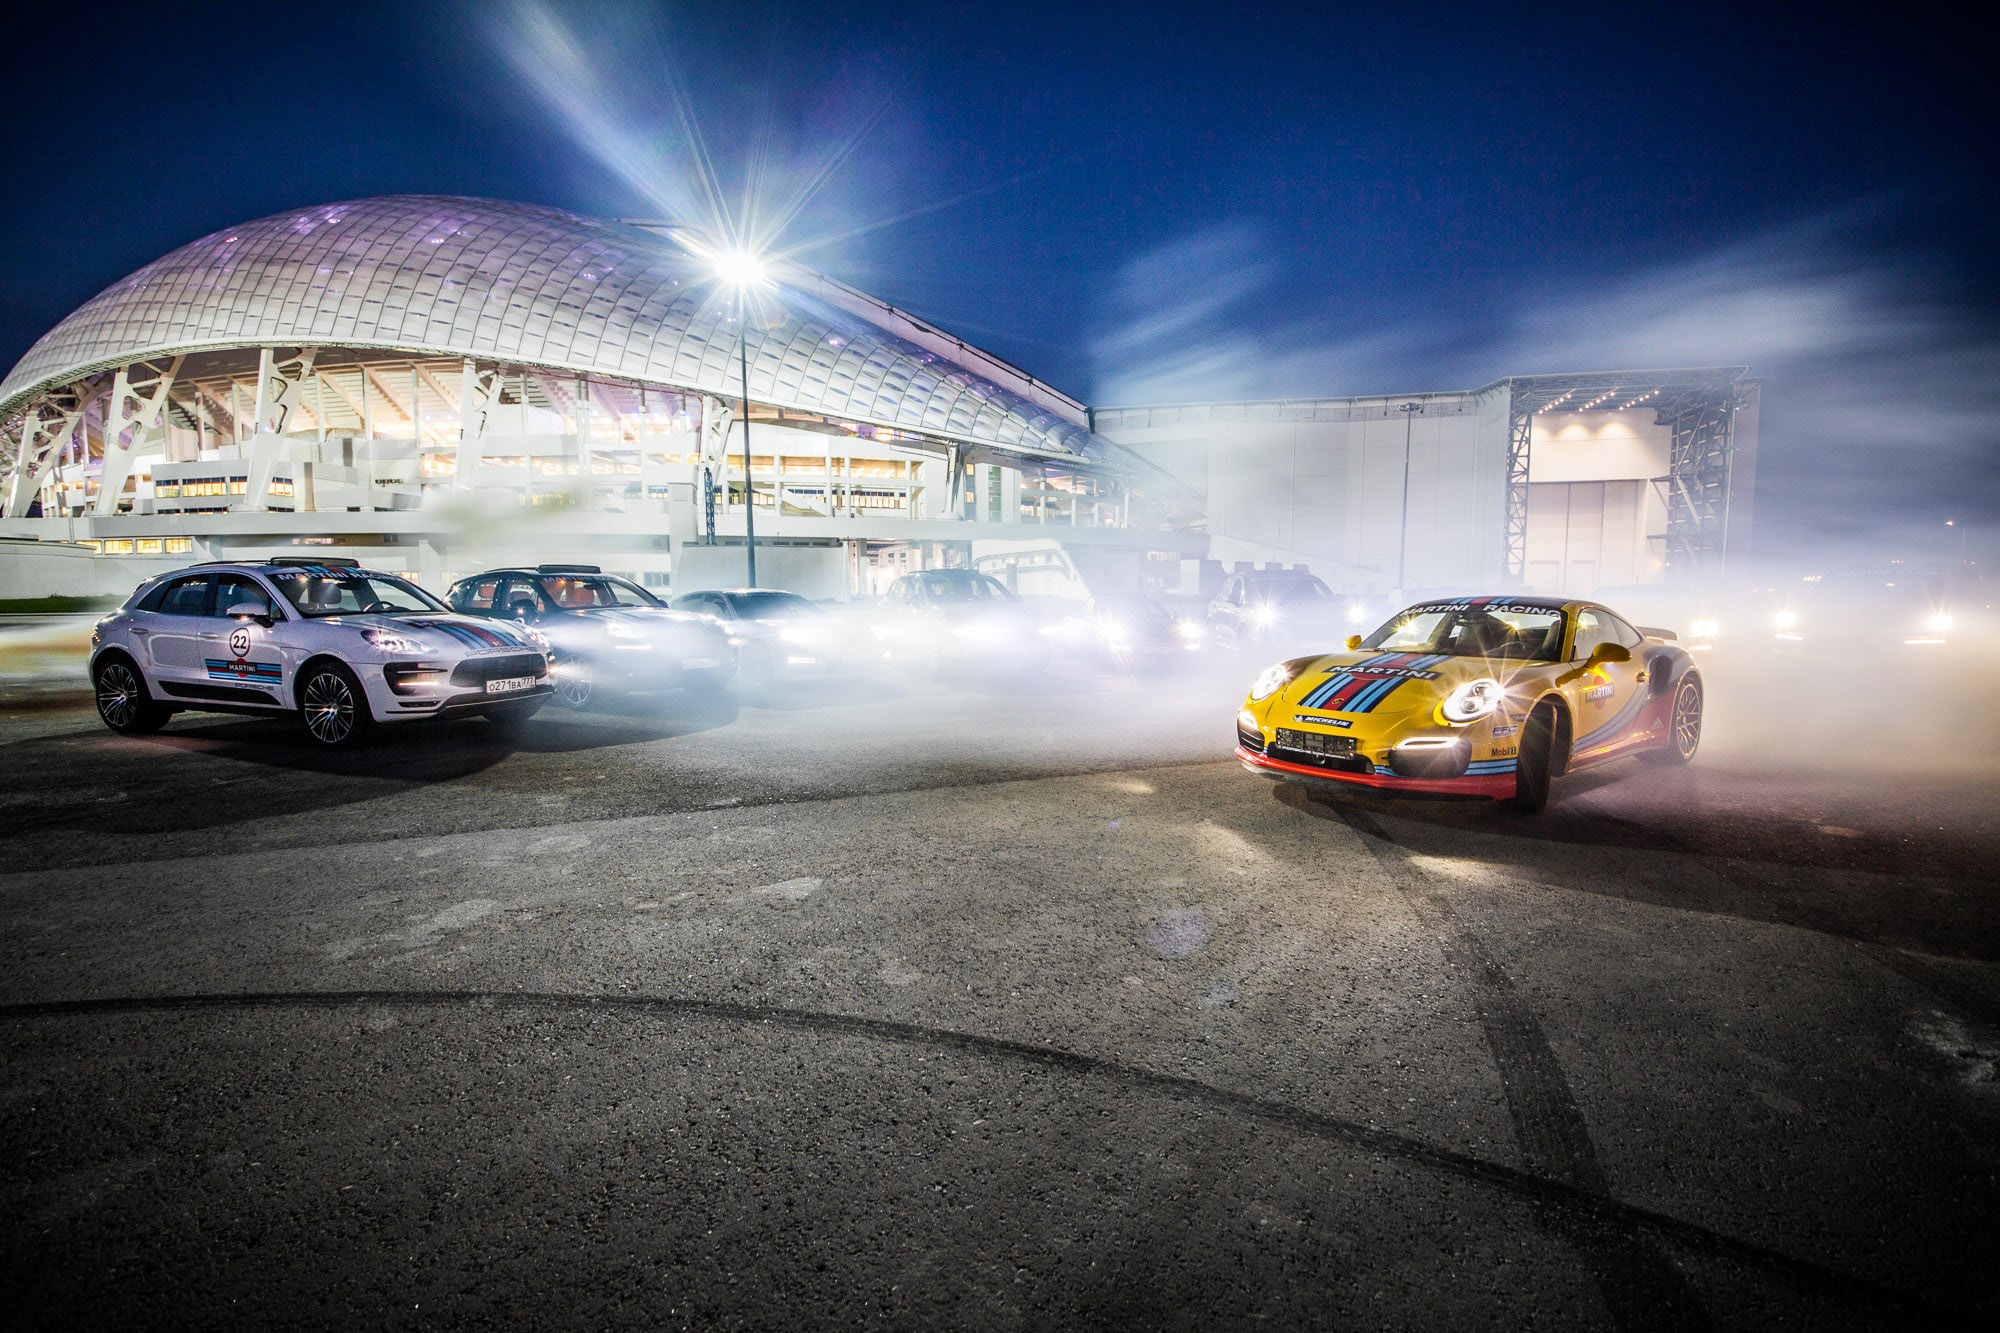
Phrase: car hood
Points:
(1389, 683)
(471, 633)
(657, 623)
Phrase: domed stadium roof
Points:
(526, 285)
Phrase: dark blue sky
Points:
(1410, 194)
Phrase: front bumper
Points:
(1378, 779)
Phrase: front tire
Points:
(1683, 726)
(576, 683)
(123, 702)
(334, 708)
(1534, 768)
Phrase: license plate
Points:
(1312, 742)
(510, 685)
(699, 663)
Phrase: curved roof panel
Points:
(525, 285)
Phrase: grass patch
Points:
(55, 606)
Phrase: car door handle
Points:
(1642, 678)
(140, 632)
(207, 634)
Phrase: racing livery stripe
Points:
(473, 636)
(1369, 700)
(1609, 730)
(269, 673)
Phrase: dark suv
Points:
(609, 634)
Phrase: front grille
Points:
(1252, 741)
(479, 670)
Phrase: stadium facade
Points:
(436, 384)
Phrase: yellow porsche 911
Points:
(1476, 696)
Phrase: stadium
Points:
(434, 385)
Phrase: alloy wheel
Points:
(575, 683)
(1687, 719)
(117, 695)
(329, 708)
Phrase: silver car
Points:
(341, 648)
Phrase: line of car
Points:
(1487, 696)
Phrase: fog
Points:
(1881, 399)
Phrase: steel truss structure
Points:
(1697, 406)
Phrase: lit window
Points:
(151, 546)
(179, 545)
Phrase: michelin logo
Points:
(1319, 721)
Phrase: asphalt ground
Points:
(994, 1003)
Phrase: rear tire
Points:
(334, 708)
(1534, 768)
(1683, 726)
(123, 702)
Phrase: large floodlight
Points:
(739, 268)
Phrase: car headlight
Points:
(1275, 678)
(1703, 629)
(1786, 620)
(1264, 615)
(389, 641)
(1473, 700)
(1189, 630)
(1939, 623)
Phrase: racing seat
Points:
(323, 596)
(1483, 636)
(521, 605)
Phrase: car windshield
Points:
(346, 592)
(941, 587)
(772, 605)
(1280, 591)
(581, 592)
(1526, 633)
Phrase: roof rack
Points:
(331, 561)
(568, 569)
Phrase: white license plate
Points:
(510, 685)
(699, 663)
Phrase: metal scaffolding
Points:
(1698, 406)
(1700, 466)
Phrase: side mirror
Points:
(1602, 653)
(1354, 643)
(256, 611)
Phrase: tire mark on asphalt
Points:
(1581, 1210)
(1925, 971)
(1639, 1282)
(11, 847)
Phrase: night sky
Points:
(1153, 202)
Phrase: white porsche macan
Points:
(342, 649)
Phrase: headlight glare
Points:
(1273, 679)
(1473, 700)
(1940, 622)
(391, 642)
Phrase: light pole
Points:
(1409, 411)
(742, 270)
